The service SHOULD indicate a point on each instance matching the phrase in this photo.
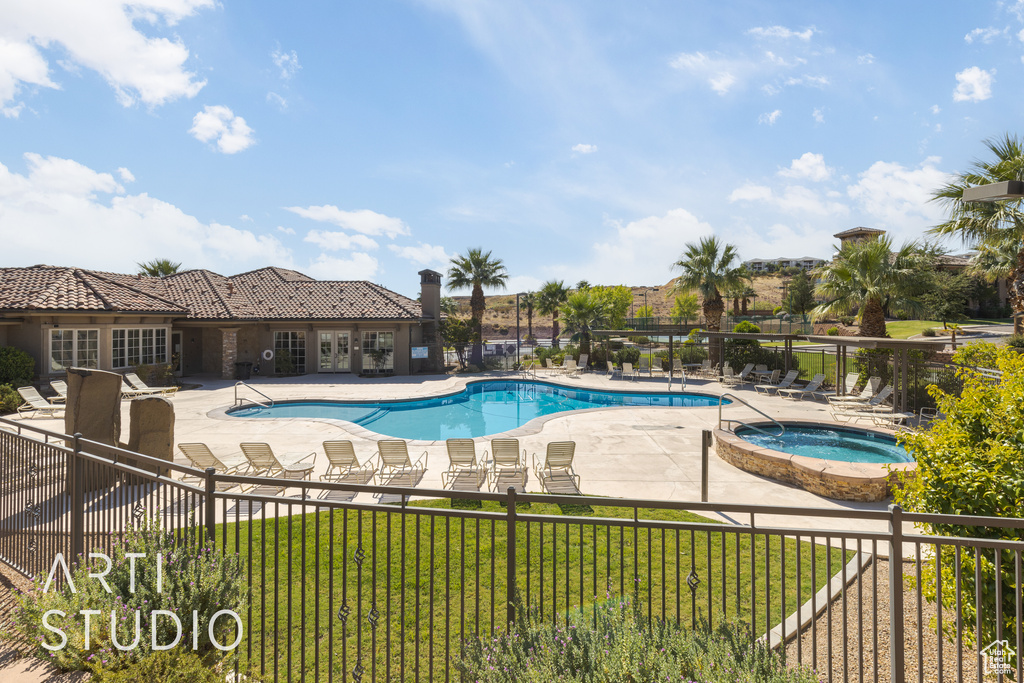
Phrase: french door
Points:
(334, 351)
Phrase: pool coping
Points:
(837, 479)
(534, 426)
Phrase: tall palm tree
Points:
(582, 313)
(708, 268)
(748, 294)
(990, 223)
(158, 267)
(995, 262)
(529, 302)
(552, 295)
(475, 271)
(866, 276)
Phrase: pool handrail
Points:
(734, 397)
(239, 400)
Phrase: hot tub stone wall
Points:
(861, 482)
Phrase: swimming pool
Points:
(481, 409)
(829, 443)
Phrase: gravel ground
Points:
(865, 637)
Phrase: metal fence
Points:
(342, 588)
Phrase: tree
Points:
(748, 293)
(529, 302)
(475, 271)
(616, 301)
(865, 275)
(708, 269)
(684, 308)
(158, 267)
(801, 294)
(455, 334)
(990, 224)
(994, 262)
(552, 295)
(947, 296)
(582, 313)
(449, 306)
(645, 312)
(582, 284)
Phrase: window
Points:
(74, 348)
(290, 353)
(378, 341)
(139, 346)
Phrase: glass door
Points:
(333, 351)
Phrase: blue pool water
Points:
(481, 409)
(828, 443)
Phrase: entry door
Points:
(334, 351)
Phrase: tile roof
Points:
(858, 231)
(263, 294)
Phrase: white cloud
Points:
(424, 254)
(126, 175)
(865, 59)
(769, 117)
(809, 166)
(719, 73)
(287, 62)
(1020, 35)
(973, 85)
(819, 115)
(245, 218)
(104, 37)
(781, 32)
(899, 197)
(984, 35)
(12, 112)
(722, 82)
(339, 241)
(63, 200)
(794, 200)
(364, 221)
(812, 81)
(360, 266)
(276, 100)
(751, 193)
(220, 123)
(287, 231)
(935, 109)
(584, 149)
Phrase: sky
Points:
(575, 140)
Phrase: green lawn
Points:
(425, 581)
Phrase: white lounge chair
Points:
(507, 466)
(741, 378)
(343, 465)
(35, 403)
(393, 459)
(612, 370)
(870, 389)
(845, 412)
(61, 387)
(556, 474)
(810, 389)
(627, 369)
(138, 384)
(771, 383)
(784, 383)
(581, 364)
(128, 391)
(264, 463)
(464, 473)
(202, 458)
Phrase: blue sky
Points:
(576, 140)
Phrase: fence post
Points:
(510, 556)
(77, 546)
(896, 654)
(705, 443)
(211, 507)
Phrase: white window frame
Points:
(293, 346)
(366, 345)
(78, 358)
(151, 353)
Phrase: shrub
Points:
(776, 310)
(1016, 341)
(613, 642)
(746, 327)
(640, 340)
(159, 375)
(17, 368)
(928, 332)
(977, 354)
(629, 354)
(969, 463)
(833, 332)
(194, 578)
(176, 665)
(846, 320)
(739, 355)
(9, 399)
(693, 354)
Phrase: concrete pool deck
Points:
(645, 452)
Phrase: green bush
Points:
(629, 354)
(613, 642)
(746, 327)
(739, 355)
(970, 463)
(9, 399)
(640, 340)
(832, 332)
(194, 578)
(1016, 341)
(977, 354)
(17, 368)
(176, 665)
(928, 332)
(776, 310)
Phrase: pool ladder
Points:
(782, 428)
(240, 399)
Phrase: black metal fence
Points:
(356, 582)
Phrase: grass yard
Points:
(411, 587)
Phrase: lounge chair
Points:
(464, 472)
(870, 389)
(772, 381)
(343, 465)
(128, 391)
(507, 466)
(557, 475)
(848, 411)
(581, 364)
(202, 458)
(61, 387)
(35, 403)
(612, 370)
(137, 383)
(569, 367)
(627, 369)
(393, 459)
(727, 376)
(784, 383)
(810, 389)
(264, 463)
(741, 378)
(848, 386)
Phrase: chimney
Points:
(430, 293)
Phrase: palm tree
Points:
(978, 224)
(582, 313)
(867, 275)
(748, 294)
(475, 271)
(582, 284)
(995, 262)
(158, 267)
(708, 269)
(529, 302)
(552, 295)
